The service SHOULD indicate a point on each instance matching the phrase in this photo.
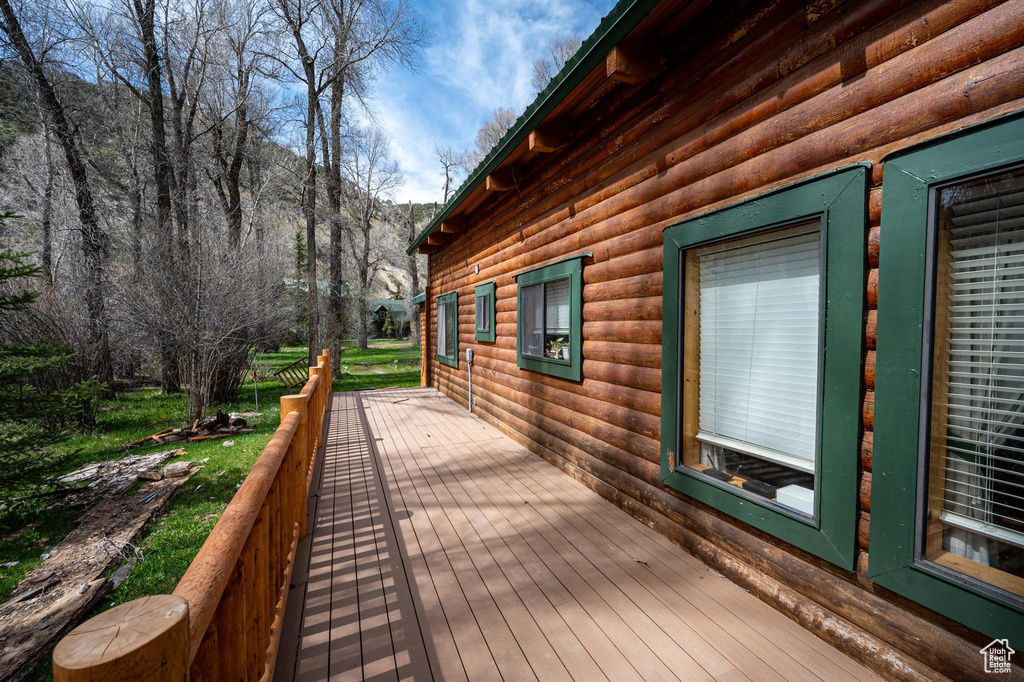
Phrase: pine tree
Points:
(389, 324)
(32, 419)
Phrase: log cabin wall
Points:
(748, 97)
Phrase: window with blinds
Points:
(757, 347)
(483, 313)
(448, 329)
(546, 312)
(975, 487)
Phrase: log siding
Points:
(744, 100)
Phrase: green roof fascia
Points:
(622, 19)
(420, 297)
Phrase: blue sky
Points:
(480, 58)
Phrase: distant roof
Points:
(622, 19)
(397, 307)
(420, 297)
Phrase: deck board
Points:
(441, 549)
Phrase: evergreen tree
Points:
(32, 419)
(389, 324)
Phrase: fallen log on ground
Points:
(58, 594)
(221, 426)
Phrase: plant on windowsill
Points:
(558, 348)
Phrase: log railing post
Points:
(300, 404)
(152, 630)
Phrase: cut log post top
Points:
(145, 639)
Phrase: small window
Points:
(485, 312)
(448, 329)
(762, 326)
(550, 319)
(948, 528)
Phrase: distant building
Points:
(399, 317)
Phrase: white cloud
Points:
(481, 59)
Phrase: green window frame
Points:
(484, 297)
(571, 269)
(895, 561)
(839, 199)
(450, 302)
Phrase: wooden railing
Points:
(224, 619)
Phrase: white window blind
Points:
(483, 311)
(983, 468)
(759, 330)
(442, 336)
(556, 295)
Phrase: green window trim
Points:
(452, 359)
(906, 188)
(840, 198)
(573, 269)
(482, 290)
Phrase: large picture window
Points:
(550, 319)
(484, 312)
(761, 360)
(949, 426)
(448, 329)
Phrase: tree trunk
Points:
(47, 221)
(414, 276)
(309, 210)
(94, 241)
(163, 176)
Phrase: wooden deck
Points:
(441, 549)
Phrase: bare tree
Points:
(560, 51)
(372, 175)
(488, 136)
(450, 161)
(94, 240)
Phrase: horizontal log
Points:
(874, 240)
(594, 388)
(570, 424)
(867, 446)
(648, 284)
(863, 530)
(621, 353)
(869, 370)
(873, 288)
(871, 329)
(862, 566)
(868, 411)
(875, 207)
(553, 434)
(864, 491)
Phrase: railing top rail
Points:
(206, 577)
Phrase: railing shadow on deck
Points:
(224, 619)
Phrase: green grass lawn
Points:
(29, 528)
